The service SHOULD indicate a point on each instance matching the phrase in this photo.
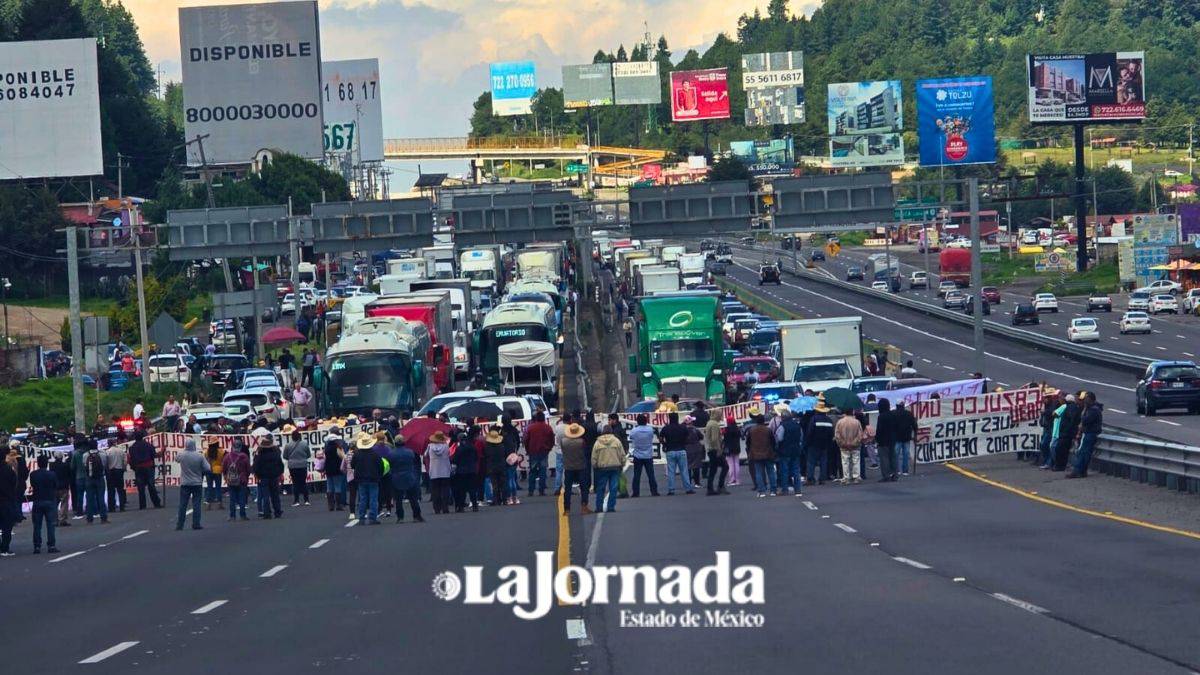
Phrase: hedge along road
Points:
(943, 351)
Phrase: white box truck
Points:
(820, 354)
(691, 268)
(655, 279)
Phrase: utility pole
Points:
(76, 327)
(141, 295)
(212, 204)
(258, 343)
(1081, 260)
(980, 360)
(120, 176)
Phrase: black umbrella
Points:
(472, 410)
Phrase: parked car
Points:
(1083, 330)
(1099, 301)
(1163, 303)
(918, 280)
(1191, 301)
(1168, 384)
(235, 410)
(1135, 322)
(218, 366)
(945, 287)
(440, 401)
(1139, 300)
(854, 274)
(991, 294)
(774, 391)
(718, 268)
(259, 400)
(1025, 314)
(1045, 302)
(169, 368)
(1162, 286)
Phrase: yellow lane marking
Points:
(1108, 515)
(564, 537)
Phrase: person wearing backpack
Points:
(235, 468)
(96, 471)
(215, 455)
(789, 446)
(332, 456)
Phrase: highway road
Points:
(945, 351)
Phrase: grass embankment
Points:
(50, 403)
(999, 270)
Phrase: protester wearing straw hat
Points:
(368, 471)
(268, 469)
(405, 478)
(575, 467)
(438, 455)
(818, 439)
(495, 456)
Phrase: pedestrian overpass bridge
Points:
(604, 160)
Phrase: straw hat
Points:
(288, 428)
(780, 408)
(821, 407)
(493, 436)
(266, 441)
(574, 431)
(437, 437)
(364, 442)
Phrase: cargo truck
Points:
(484, 267)
(820, 354)
(463, 308)
(432, 309)
(680, 348)
(655, 279)
(691, 268)
(955, 265)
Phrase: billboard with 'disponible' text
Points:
(514, 84)
(1105, 87)
(352, 109)
(251, 80)
(774, 86)
(956, 121)
(587, 85)
(49, 109)
(699, 95)
(636, 83)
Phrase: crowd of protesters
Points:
(1070, 423)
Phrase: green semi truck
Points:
(680, 348)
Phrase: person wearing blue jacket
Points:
(405, 475)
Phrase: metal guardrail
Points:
(1170, 465)
(1105, 357)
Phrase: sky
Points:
(434, 55)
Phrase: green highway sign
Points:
(576, 167)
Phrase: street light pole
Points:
(7, 285)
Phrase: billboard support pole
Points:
(76, 329)
(976, 278)
(143, 332)
(1080, 204)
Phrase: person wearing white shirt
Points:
(139, 410)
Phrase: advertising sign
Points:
(514, 84)
(699, 95)
(977, 426)
(636, 83)
(774, 85)
(956, 121)
(765, 158)
(1104, 87)
(587, 85)
(353, 112)
(866, 150)
(1153, 236)
(1125, 260)
(251, 80)
(49, 109)
(865, 121)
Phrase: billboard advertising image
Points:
(775, 157)
(1153, 235)
(587, 85)
(866, 150)
(699, 95)
(865, 108)
(956, 121)
(353, 113)
(636, 83)
(1103, 87)
(49, 109)
(251, 80)
(774, 85)
(514, 84)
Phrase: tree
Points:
(728, 168)
(621, 55)
(1149, 196)
(1114, 191)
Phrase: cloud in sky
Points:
(434, 54)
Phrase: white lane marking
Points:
(1053, 323)
(823, 517)
(1118, 411)
(1188, 354)
(273, 571)
(959, 579)
(926, 360)
(1174, 424)
(209, 607)
(1003, 384)
(352, 523)
(874, 543)
(318, 543)
(1160, 347)
(68, 556)
(1181, 337)
(811, 506)
(590, 559)
(115, 649)
(845, 528)
(908, 353)
(1027, 606)
(135, 534)
(1113, 337)
(911, 563)
(947, 367)
(1135, 342)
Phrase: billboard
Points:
(774, 85)
(699, 95)
(1153, 236)
(353, 112)
(251, 79)
(1105, 87)
(514, 84)
(49, 109)
(587, 85)
(636, 83)
(956, 121)
(866, 150)
(775, 157)
(865, 123)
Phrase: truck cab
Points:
(680, 347)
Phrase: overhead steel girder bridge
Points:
(528, 148)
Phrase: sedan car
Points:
(991, 294)
(816, 255)
(1168, 384)
(945, 287)
(718, 268)
(1162, 286)
(1139, 300)
(1191, 301)
(954, 300)
(1099, 302)
(753, 369)
(1163, 303)
(1135, 322)
(1083, 330)
(1025, 314)
(880, 286)
(854, 274)
(1045, 302)
(969, 306)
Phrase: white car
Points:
(880, 286)
(1045, 302)
(211, 412)
(259, 400)
(945, 287)
(918, 280)
(169, 368)
(1164, 302)
(1083, 330)
(1139, 300)
(442, 401)
(731, 320)
(1162, 286)
(288, 304)
(1191, 301)
(955, 300)
(1135, 322)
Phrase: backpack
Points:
(94, 464)
(233, 476)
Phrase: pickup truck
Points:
(1099, 301)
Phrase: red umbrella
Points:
(417, 431)
(281, 335)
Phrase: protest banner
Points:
(976, 426)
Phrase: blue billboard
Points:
(514, 84)
(956, 121)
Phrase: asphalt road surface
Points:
(936, 574)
